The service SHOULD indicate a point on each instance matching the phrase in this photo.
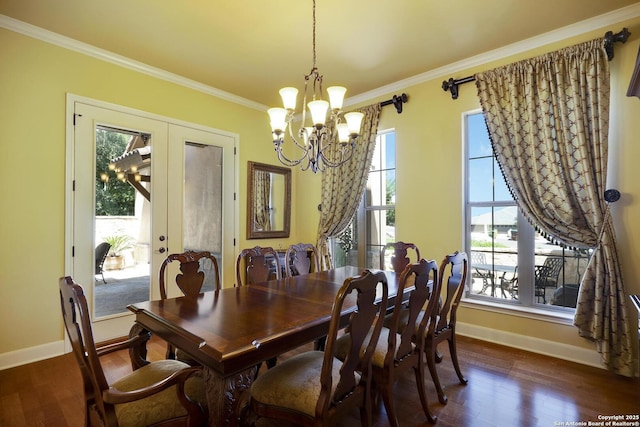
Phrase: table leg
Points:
(224, 395)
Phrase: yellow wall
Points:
(35, 78)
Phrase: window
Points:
(374, 225)
(510, 262)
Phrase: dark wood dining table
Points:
(230, 331)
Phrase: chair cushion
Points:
(402, 322)
(161, 406)
(377, 360)
(295, 383)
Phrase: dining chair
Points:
(315, 388)
(196, 269)
(455, 268)
(400, 257)
(101, 255)
(398, 352)
(301, 258)
(257, 264)
(165, 392)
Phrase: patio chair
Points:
(101, 255)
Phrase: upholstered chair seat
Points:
(315, 388)
(159, 407)
(377, 359)
(296, 383)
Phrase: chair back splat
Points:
(400, 258)
(194, 269)
(301, 258)
(257, 264)
(454, 268)
(315, 388)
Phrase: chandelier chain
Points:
(314, 34)
(328, 142)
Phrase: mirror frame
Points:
(255, 234)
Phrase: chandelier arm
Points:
(345, 151)
(287, 161)
(293, 138)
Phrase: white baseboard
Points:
(31, 354)
(535, 345)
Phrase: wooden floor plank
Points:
(507, 387)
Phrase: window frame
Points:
(527, 301)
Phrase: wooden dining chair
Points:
(400, 258)
(257, 264)
(315, 388)
(196, 269)
(301, 258)
(398, 352)
(165, 392)
(454, 268)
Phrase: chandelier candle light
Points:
(326, 143)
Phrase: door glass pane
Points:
(202, 212)
(122, 186)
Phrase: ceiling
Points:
(251, 48)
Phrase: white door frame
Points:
(70, 174)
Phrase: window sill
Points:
(552, 316)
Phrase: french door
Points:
(167, 186)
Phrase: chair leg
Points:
(271, 362)
(419, 373)
(319, 344)
(386, 390)
(439, 356)
(431, 362)
(366, 410)
(454, 359)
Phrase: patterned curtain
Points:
(548, 119)
(262, 188)
(342, 187)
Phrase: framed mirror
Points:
(268, 201)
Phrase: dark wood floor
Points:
(507, 387)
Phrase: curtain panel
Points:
(262, 189)
(548, 120)
(342, 187)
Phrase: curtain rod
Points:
(609, 39)
(397, 102)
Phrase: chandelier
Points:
(328, 141)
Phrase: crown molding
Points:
(610, 18)
(601, 21)
(122, 61)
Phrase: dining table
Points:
(232, 330)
